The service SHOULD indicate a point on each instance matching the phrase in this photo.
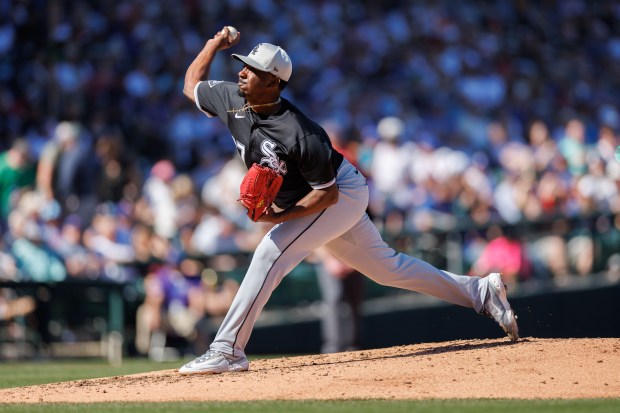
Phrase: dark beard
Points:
(241, 93)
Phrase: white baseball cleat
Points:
(497, 307)
(213, 362)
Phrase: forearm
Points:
(200, 67)
(317, 200)
(44, 179)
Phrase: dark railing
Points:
(75, 311)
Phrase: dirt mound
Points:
(530, 369)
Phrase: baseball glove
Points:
(258, 190)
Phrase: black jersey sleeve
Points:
(314, 154)
(215, 98)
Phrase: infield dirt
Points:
(533, 368)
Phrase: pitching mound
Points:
(530, 369)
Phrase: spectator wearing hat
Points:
(389, 169)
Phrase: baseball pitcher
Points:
(320, 201)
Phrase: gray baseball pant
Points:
(347, 231)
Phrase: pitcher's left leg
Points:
(363, 248)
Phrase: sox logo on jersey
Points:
(271, 159)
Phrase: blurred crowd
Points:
(462, 114)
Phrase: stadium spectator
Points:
(110, 243)
(388, 170)
(65, 171)
(572, 146)
(505, 254)
(158, 193)
(184, 302)
(35, 260)
(17, 173)
(342, 295)
(12, 306)
(117, 177)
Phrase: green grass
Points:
(14, 374)
(345, 406)
(22, 374)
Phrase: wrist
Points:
(211, 46)
(215, 44)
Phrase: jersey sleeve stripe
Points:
(198, 101)
(323, 186)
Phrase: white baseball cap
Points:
(269, 58)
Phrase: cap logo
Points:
(255, 50)
(275, 69)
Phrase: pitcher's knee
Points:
(266, 251)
